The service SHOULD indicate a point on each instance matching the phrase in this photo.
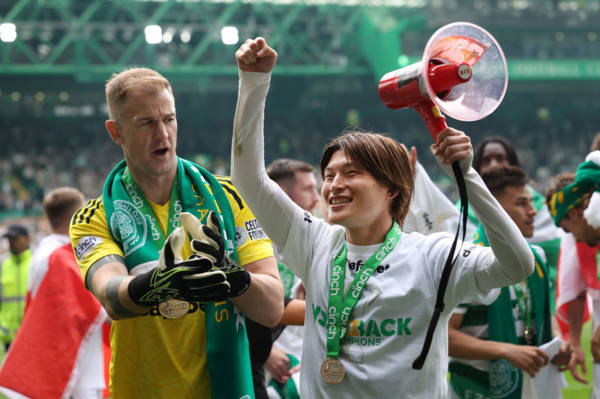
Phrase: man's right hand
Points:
(453, 145)
(278, 364)
(256, 56)
(192, 280)
(527, 358)
(578, 359)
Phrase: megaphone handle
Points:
(433, 117)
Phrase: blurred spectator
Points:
(506, 336)
(13, 282)
(58, 350)
(497, 151)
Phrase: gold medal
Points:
(173, 308)
(332, 371)
(528, 335)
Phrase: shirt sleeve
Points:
(463, 285)
(276, 212)
(90, 235)
(509, 259)
(251, 241)
(460, 309)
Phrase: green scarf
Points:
(503, 379)
(132, 227)
(587, 179)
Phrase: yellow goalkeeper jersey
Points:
(154, 357)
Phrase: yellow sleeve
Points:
(251, 241)
(90, 235)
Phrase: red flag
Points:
(577, 272)
(57, 328)
(106, 353)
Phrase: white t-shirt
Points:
(388, 324)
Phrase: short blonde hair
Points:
(121, 83)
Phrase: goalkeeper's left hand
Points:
(208, 243)
(192, 280)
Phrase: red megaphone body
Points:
(463, 73)
(405, 87)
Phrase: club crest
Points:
(128, 225)
(505, 378)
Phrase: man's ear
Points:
(391, 194)
(575, 213)
(113, 130)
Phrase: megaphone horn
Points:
(463, 73)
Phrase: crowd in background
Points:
(28, 172)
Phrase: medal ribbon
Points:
(524, 303)
(339, 309)
(140, 202)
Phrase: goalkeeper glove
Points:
(192, 280)
(208, 243)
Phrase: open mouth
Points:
(339, 200)
(160, 151)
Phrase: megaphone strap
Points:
(450, 260)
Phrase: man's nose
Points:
(161, 130)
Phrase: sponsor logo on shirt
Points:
(368, 332)
(85, 246)
(356, 266)
(467, 251)
(307, 217)
(240, 236)
(255, 232)
(427, 221)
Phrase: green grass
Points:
(575, 389)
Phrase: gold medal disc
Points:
(332, 371)
(173, 308)
(528, 335)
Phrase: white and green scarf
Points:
(135, 228)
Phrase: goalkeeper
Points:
(177, 304)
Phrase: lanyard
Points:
(140, 202)
(340, 308)
(524, 302)
(445, 277)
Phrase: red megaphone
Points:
(463, 73)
